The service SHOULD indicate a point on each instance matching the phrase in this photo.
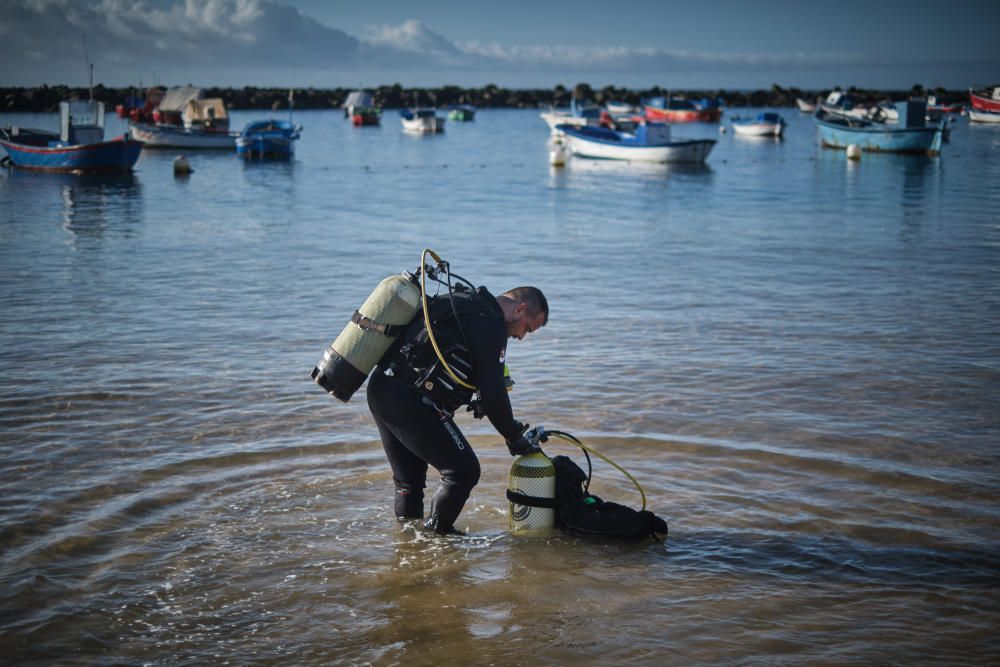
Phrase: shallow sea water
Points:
(794, 354)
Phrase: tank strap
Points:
(530, 501)
(390, 330)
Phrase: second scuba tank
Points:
(532, 493)
(373, 327)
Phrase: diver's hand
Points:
(521, 445)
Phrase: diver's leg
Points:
(409, 472)
(431, 436)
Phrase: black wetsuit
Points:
(417, 431)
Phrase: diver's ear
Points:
(520, 309)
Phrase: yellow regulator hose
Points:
(569, 438)
(427, 315)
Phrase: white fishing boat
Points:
(578, 115)
(649, 143)
(422, 121)
(174, 136)
(765, 124)
(805, 107)
(844, 104)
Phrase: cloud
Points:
(48, 36)
(264, 42)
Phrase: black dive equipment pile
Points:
(546, 493)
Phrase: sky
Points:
(712, 44)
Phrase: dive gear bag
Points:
(584, 515)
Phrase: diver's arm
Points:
(488, 341)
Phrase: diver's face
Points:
(520, 323)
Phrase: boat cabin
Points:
(206, 113)
(652, 134)
(912, 112)
(81, 122)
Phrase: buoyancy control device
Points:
(552, 493)
(372, 329)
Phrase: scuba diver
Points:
(413, 396)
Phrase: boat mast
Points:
(90, 66)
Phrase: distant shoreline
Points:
(47, 98)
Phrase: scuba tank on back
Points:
(364, 340)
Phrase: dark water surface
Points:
(796, 355)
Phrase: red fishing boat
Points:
(675, 110)
(986, 100)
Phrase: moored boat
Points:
(577, 115)
(357, 99)
(366, 116)
(934, 107)
(185, 118)
(977, 116)
(650, 142)
(461, 112)
(805, 107)
(843, 104)
(173, 136)
(78, 147)
(617, 108)
(268, 139)
(422, 121)
(765, 124)
(677, 110)
(986, 99)
(910, 135)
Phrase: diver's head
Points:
(525, 309)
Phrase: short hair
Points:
(531, 297)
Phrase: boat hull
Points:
(753, 129)
(273, 148)
(977, 116)
(981, 101)
(683, 115)
(118, 155)
(425, 125)
(159, 136)
(694, 150)
(877, 137)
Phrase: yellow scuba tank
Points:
(532, 493)
(373, 327)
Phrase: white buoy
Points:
(557, 157)
(854, 152)
(722, 129)
(181, 166)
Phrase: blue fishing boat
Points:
(78, 147)
(910, 135)
(268, 139)
(650, 142)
